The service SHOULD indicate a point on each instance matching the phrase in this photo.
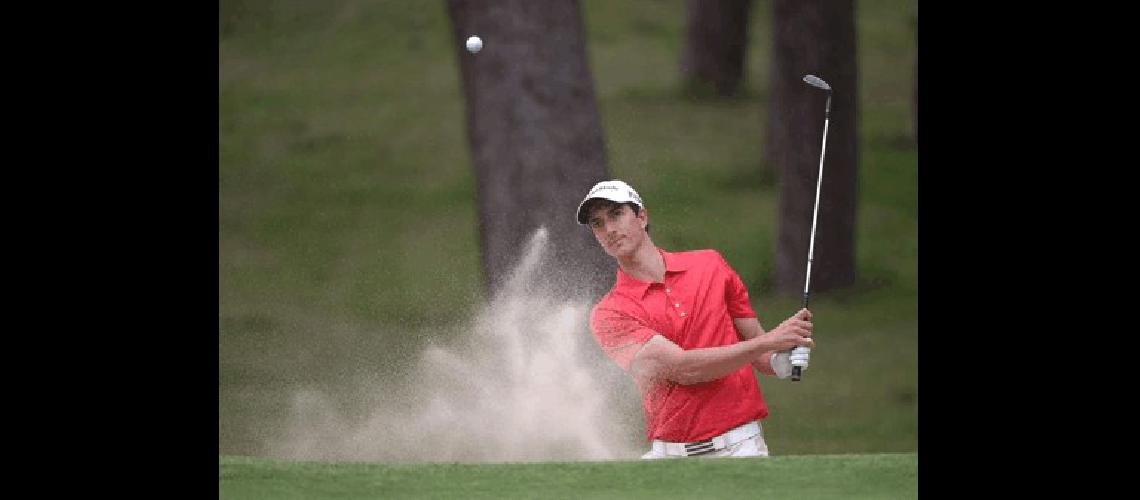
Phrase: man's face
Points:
(617, 228)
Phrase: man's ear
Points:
(644, 216)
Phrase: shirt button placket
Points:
(676, 305)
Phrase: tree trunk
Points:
(535, 136)
(814, 37)
(716, 37)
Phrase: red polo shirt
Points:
(693, 308)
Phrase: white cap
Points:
(615, 191)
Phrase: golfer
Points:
(680, 323)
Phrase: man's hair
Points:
(599, 202)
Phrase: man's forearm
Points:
(763, 363)
(747, 328)
(702, 365)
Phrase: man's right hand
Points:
(793, 332)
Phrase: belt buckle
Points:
(699, 447)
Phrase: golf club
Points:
(818, 83)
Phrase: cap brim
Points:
(582, 215)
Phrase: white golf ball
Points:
(474, 44)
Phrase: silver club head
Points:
(817, 82)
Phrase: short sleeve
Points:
(735, 293)
(619, 334)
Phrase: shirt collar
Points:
(636, 287)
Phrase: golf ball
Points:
(474, 44)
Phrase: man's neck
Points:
(645, 264)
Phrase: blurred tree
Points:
(914, 100)
(535, 135)
(716, 36)
(814, 37)
(914, 82)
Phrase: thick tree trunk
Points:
(814, 37)
(716, 37)
(535, 136)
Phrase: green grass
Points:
(878, 476)
(347, 215)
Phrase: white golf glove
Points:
(783, 361)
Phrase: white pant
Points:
(753, 446)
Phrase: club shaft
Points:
(796, 371)
(815, 209)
